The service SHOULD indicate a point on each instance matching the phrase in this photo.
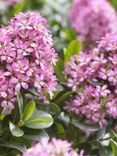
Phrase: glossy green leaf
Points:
(74, 48)
(20, 103)
(39, 120)
(33, 91)
(84, 127)
(59, 68)
(50, 108)
(29, 110)
(98, 135)
(36, 136)
(21, 148)
(15, 131)
(103, 151)
(64, 97)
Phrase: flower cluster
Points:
(6, 3)
(92, 19)
(56, 147)
(26, 58)
(94, 76)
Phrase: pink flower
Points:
(91, 20)
(27, 57)
(53, 148)
(20, 81)
(96, 81)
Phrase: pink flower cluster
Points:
(56, 147)
(92, 19)
(26, 58)
(94, 76)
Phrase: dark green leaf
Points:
(84, 127)
(104, 151)
(20, 103)
(13, 145)
(33, 91)
(50, 108)
(60, 130)
(64, 97)
(36, 136)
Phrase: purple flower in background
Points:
(92, 19)
(55, 147)
(96, 81)
(27, 58)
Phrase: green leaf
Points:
(84, 127)
(15, 131)
(61, 132)
(29, 110)
(33, 91)
(114, 134)
(19, 7)
(114, 147)
(98, 135)
(39, 120)
(74, 48)
(70, 34)
(64, 97)
(103, 151)
(59, 68)
(50, 108)
(13, 145)
(20, 103)
(36, 136)
(2, 117)
(53, 109)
